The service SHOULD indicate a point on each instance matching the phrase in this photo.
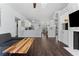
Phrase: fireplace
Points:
(76, 40)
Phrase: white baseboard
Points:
(74, 52)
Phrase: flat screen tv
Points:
(74, 19)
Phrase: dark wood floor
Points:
(47, 47)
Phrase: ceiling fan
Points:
(34, 5)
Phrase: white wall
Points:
(71, 30)
(8, 15)
(8, 24)
(63, 34)
(65, 12)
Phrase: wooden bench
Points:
(20, 47)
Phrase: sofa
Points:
(5, 41)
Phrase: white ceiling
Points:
(40, 12)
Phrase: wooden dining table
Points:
(19, 48)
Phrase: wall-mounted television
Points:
(74, 19)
